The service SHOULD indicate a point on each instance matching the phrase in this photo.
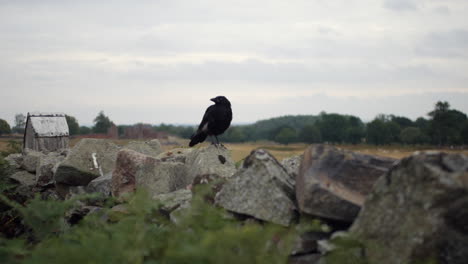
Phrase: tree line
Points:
(443, 126)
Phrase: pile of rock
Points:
(399, 211)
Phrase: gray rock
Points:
(173, 200)
(69, 191)
(333, 183)
(101, 184)
(418, 212)
(15, 160)
(31, 160)
(89, 159)
(178, 214)
(210, 160)
(134, 169)
(175, 155)
(292, 165)
(162, 177)
(46, 168)
(151, 148)
(24, 178)
(261, 188)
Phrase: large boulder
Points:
(15, 160)
(151, 148)
(292, 165)
(46, 168)
(175, 155)
(87, 160)
(333, 183)
(135, 169)
(24, 178)
(210, 160)
(101, 184)
(31, 159)
(173, 200)
(418, 212)
(261, 188)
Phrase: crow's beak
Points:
(213, 99)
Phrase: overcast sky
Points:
(161, 61)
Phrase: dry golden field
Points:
(240, 150)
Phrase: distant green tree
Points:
(84, 130)
(186, 132)
(333, 127)
(354, 135)
(310, 134)
(393, 130)
(286, 135)
(4, 127)
(102, 123)
(446, 124)
(20, 124)
(356, 130)
(376, 132)
(73, 126)
(464, 133)
(402, 121)
(411, 135)
(234, 134)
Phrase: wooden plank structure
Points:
(46, 132)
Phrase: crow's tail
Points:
(198, 137)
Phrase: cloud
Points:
(451, 44)
(442, 10)
(141, 59)
(400, 5)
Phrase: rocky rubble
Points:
(169, 171)
(151, 148)
(400, 211)
(262, 188)
(333, 183)
(87, 160)
(418, 212)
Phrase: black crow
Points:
(216, 120)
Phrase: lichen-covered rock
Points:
(101, 184)
(418, 212)
(24, 178)
(210, 160)
(292, 165)
(173, 200)
(333, 183)
(162, 177)
(31, 160)
(134, 169)
(151, 148)
(261, 188)
(87, 160)
(46, 168)
(175, 155)
(15, 160)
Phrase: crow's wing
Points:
(207, 118)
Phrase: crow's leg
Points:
(212, 141)
(217, 141)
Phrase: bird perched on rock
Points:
(216, 120)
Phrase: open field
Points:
(240, 150)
